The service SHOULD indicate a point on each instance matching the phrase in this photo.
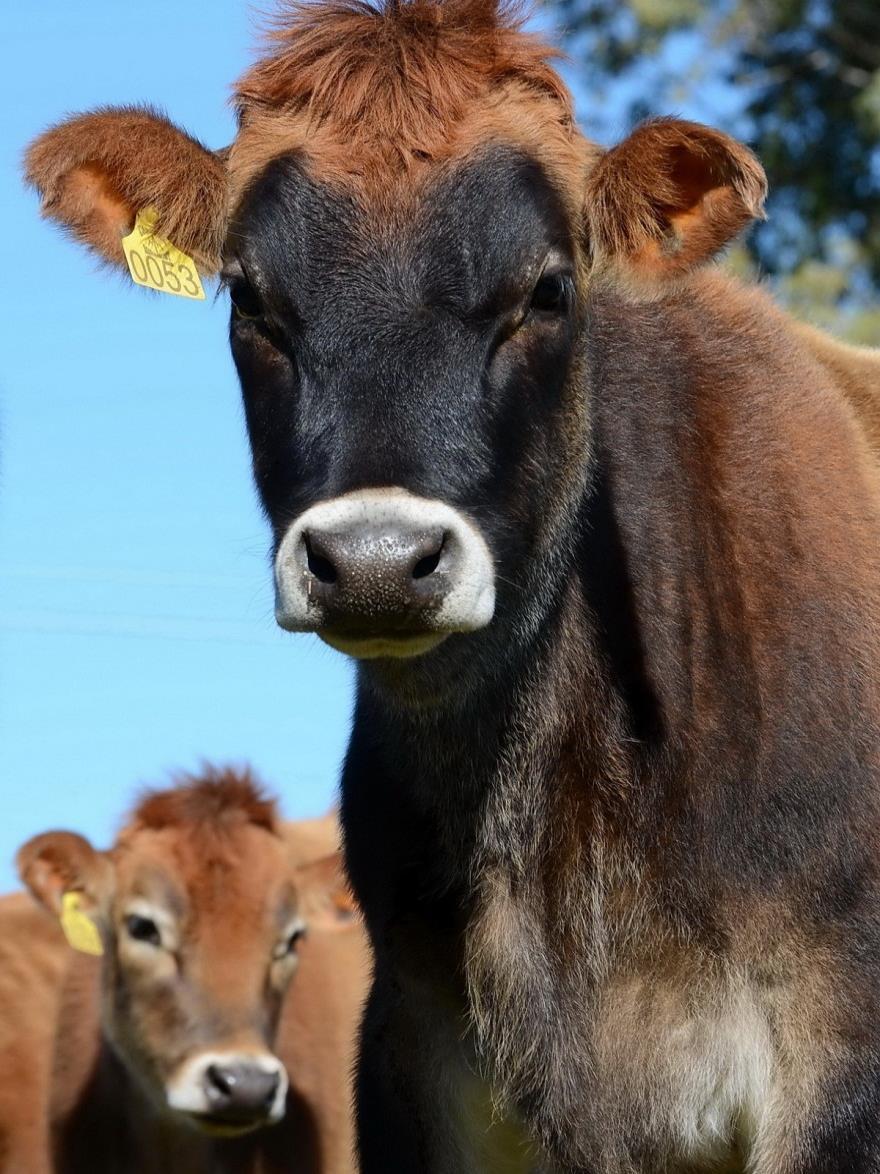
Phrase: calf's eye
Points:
(143, 929)
(245, 301)
(289, 945)
(551, 294)
(295, 937)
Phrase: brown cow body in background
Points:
(854, 370)
(317, 1036)
(33, 959)
(72, 1102)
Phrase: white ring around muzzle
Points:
(468, 604)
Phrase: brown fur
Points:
(313, 839)
(854, 369)
(200, 832)
(670, 196)
(95, 172)
(632, 881)
(317, 1036)
(521, 119)
(374, 96)
(399, 78)
(32, 962)
(221, 799)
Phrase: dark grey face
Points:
(404, 382)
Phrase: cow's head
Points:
(199, 911)
(408, 224)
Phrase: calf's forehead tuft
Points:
(218, 800)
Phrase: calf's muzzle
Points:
(230, 1090)
(383, 572)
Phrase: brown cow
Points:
(33, 958)
(603, 531)
(158, 1055)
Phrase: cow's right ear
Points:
(55, 863)
(95, 172)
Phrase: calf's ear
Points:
(671, 196)
(56, 863)
(95, 172)
(325, 898)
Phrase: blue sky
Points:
(136, 630)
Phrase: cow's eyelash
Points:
(280, 325)
(227, 276)
(234, 274)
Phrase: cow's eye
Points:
(551, 294)
(245, 301)
(143, 929)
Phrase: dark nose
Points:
(240, 1091)
(376, 573)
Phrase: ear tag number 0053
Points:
(156, 263)
(79, 929)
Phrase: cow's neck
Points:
(479, 776)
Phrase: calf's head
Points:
(409, 225)
(199, 912)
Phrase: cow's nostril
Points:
(426, 566)
(429, 563)
(321, 567)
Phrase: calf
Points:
(601, 529)
(172, 1049)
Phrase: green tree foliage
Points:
(800, 81)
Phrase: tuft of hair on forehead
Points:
(399, 75)
(217, 800)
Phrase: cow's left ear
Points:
(56, 863)
(670, 197)
(325, 898)
(95, 172)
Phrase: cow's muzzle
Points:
(381, 572)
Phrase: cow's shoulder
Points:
(854, 371)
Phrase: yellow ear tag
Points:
(156, 263)
(79, 929)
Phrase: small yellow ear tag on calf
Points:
(156, 263)
(79, 929)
